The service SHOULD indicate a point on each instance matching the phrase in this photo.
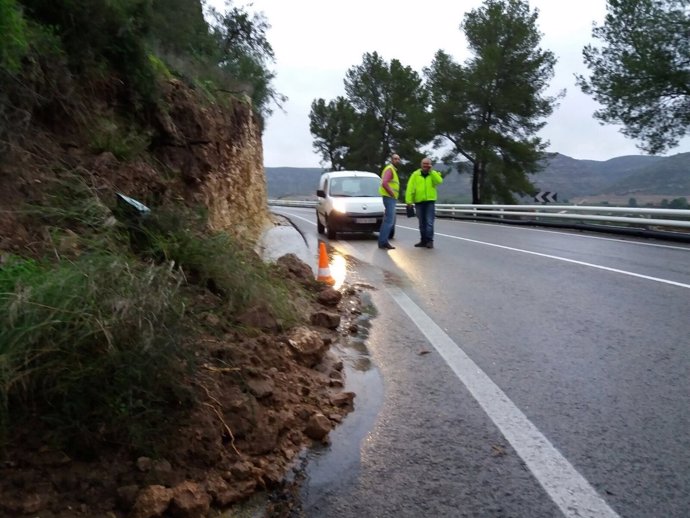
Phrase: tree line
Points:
(486, 112)
(124, 45)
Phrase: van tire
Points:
(319, 227)
(330, 231)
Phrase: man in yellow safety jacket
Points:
(389, 190)
(421, 190)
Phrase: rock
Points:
(296, 268)
(325, 319)
(68, 243)
(318, 427)
(329, 297)
(342, 399)
(144, 464)
(264, 440)
(258, 318)
(307, 346)
(162, 473)
(152, 502)
(190, 500)
(241, 470)
(261, 387)
(225, 494)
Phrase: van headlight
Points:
(339, 206)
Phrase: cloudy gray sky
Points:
(317, 41)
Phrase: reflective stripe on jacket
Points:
(422, 188)
(394, 184)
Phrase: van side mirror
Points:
(320, 193)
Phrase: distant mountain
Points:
(292, 182)
(633, 176)
(671, 177)
(571, 178)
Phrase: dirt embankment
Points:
(260, 397)
(282, 393)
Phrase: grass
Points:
(221, 264)
(124, 140)
(91, 347)
(95, 343)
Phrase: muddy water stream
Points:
(328, 466)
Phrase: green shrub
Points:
(71, 202)
(125, 141)
(159, 67)
(220, 263)
(13, 42)
(95, 33)
(91, 347)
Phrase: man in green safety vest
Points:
(389, 190)
(421, 190)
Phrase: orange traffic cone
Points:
(324, 273)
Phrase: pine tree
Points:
(641, 74)
(386, 105)
(491, 108)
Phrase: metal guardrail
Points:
(664, 223)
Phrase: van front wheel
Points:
(319, 227)
(330, 231)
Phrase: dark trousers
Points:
(426, 211)
(388, 219)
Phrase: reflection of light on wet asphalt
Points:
(338, 270)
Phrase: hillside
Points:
(569, 177)
(151, 364)
(670, 176)
(292, 182)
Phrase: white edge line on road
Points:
(569, 490)
(602, 238)
(555, 257)
(566, 487)
(572, 261)
(549, 231)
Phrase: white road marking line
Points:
(589, 236)
(555, 257)
(569, 490)
(562, 233)
(572, 261)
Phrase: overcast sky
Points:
(317, 41)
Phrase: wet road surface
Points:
(587, 339)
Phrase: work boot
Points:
(387, 246)
(421, 244)
(430, 244)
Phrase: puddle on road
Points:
(327, 466)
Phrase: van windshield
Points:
(355, 186)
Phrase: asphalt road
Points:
(557, 383)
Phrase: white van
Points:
(349, 201)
